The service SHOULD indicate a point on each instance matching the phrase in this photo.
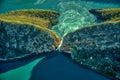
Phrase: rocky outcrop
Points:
(20, 38)
(107, 14)
(27, 32)
(49, 15)
(97, 47)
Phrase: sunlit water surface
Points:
(74, 15)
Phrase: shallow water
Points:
(24, 70)
(74, 15)
(53, 67)
(8, 5)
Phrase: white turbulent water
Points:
(39, 2)
(75, 15)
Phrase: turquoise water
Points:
(53, 67)
(8, 5)
(74, 15)
(25, 71)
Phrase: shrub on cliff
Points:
(23, 35)
(97, 47)
(49, 15)
(107, 14)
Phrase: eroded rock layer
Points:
(107, 14)
(49, 15)
(97, 47)
(20, 37)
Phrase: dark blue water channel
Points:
(56, 66)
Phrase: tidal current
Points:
(74, 14)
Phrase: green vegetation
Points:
(24, 32)
(97, 47)
(49, 15)
(108, 15)
(25, 20)
(41, 19)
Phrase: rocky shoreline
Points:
(20, 39)
(96, 50)
(96, 47)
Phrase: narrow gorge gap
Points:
(75, 15)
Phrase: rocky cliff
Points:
(27, 32)
(107, 14)
(19, 37)
(96, 47)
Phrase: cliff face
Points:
(97, 36)
(20, 37)
(97, 47)
(27, 32)
(107, 14)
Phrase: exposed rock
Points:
(107, 14)
(20, 40)
(97, 47)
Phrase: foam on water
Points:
(75, 15)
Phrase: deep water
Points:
(74, 15)
(55, 66)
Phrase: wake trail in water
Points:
(73, 16)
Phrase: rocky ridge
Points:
(20, 38)
(97, 47)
